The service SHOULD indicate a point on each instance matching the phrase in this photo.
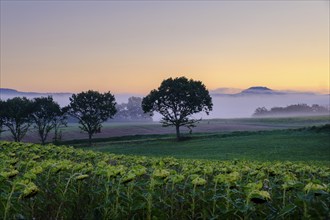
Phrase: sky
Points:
(131, 46)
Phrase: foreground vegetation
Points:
(58, 182)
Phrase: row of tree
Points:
(44, 114)
(175, 99)
(298, 109)
(18, 114)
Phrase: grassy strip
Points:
(304, 144)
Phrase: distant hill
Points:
(61, 97)
(6, 91)
(13, 92)
(260, 90)
(255, 90)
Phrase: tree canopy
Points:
(92, 108)
(16, 115)
(45, 115)
(176, 100)
(2, 105)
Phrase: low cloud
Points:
(224, 106)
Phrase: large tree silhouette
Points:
(16, 115)
(176, 100)
(92, 108)
(45, 115)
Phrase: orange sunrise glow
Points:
(130, 47)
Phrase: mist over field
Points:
(224, 105)
(244, 106)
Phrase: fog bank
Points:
(224, 106)
(244, 106)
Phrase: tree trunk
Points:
(56, 135)
(42, 137)
(177, 127)
(90, 139)
(17, 135)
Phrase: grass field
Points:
(115, 129)
(281, 145)
(217, 139)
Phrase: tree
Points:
(1, 117)
(176, 100)
(92, 108)
(61, 120)
(131, 111)
(297, 109)
(261, 111)
(15, 114)
(45, 114)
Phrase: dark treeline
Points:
(131, 111)
(175, 99)
(19, 115)
(298, 109)
(126, 112)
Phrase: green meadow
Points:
(298, 144)
(267, 145)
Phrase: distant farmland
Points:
(116, 129)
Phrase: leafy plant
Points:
(58, 182)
